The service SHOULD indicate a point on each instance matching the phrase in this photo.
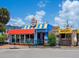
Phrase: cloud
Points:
(29, 17)
(39, 15)
(42, 3)
(16, 22)
(69, 11)
(59, 22)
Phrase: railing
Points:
(65, 41)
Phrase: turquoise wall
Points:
(46, 31)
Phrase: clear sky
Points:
(23, 8)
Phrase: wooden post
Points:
(19, 38)
(10, 38)
(15, 38)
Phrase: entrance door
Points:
(13, 39)
(40, 38)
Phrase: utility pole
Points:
(67, 26)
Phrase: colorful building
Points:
(77, 32)
(67, 36)
(36, 34)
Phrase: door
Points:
(40, 38)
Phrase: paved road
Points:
(40, 53)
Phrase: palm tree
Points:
(4, 15)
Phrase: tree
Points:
(2, 28)
(4, 19)
(52, 39)
(4, 15)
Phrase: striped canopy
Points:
(38, 26)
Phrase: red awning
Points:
(21, 31)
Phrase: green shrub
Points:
(52, 40)
(3, 37)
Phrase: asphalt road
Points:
(40, 53)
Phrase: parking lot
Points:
(40, 53)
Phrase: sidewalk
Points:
(19, 46)
(69, 46)
(9, 46)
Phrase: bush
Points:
(52, 40)
(3, 37)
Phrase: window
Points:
(13, 39)
(62, 35)
(29, 39)
(22, 38)
(68, 36)
(38, 35)
(78, 36)
(32, 36)
(17, 38)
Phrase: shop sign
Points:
(65, 31)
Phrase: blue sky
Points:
(23, 8)
(55, 12)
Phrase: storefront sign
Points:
(65, 31)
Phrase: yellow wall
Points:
(65, 31)
(78, 31)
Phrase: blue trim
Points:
(35, 38)
(46, 34)
(41, 30)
